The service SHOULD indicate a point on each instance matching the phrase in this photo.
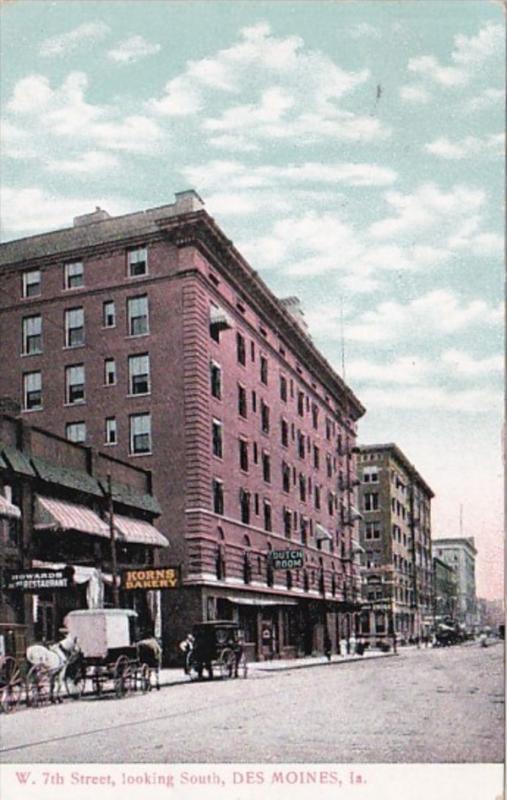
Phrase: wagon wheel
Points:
(38, 685)
(75, 679)
(122, 676)
(10, 684)
(10, 697)
(242, 666)
(227, 663)
(9, 670)
(145, 678)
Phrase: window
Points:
(329, 466)
(32, 390)
(217, 438)
(32, 335)
(264, 369)
(285, 477)
(109, 371)
(31, 283)
(139, 374)
(242, 411)
(252, 350)
(74, 275)
(328, 428)
(243, 455)
(137, 262)
(370, 475)
(256, 504)
(284, 432)
(138, 317)
(330, 503)
(302, 487)
(75, 431)
(371, 501)
(372, 530)
(315, 416)
(287, 522)
(317, 497)
(75, 383)
(301, 403)
(108, 314)
(316, 456)
(266, 467)
(264, 417)
(140, 433)
(283, 388)
(218, 497)
(244, 503)
(255, 453)
(254, 402)
(247, 568)
(74, 327)
(304, 530)
(111, 430)
(267, 516)
(301, 444)
(215, 380)
(240, 348)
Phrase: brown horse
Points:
(149, 652)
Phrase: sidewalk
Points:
(170, 677)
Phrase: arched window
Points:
(220, 563)
(247, 568)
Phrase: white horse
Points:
(149, 652)
(54, 659)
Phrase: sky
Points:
(353, 153)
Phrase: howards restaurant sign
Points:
(161, 578)
(35, 580)
(287, 559)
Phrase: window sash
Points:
(32, 390)
(74, 275)
(139, 374)
(111, 430)
(109, 314)
(140, 433)
(32, 334)
(138, 261)
(76, 432)
(138, 315)
(31, 283)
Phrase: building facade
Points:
(55, 529)
(395, 537)
(445, 591)
(460, 554)
(149, 336)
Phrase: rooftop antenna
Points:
(342, 336)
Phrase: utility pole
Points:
(112, 534)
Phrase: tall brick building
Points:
(149, 335)
(395, 531)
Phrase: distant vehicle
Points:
(217, 644)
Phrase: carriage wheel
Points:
(242, 667)
(10, 697)
(122, 676)
(38, 685)
(9, 671)
(145, 678)
(227, 664)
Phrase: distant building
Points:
(395, 536)
(460, 554)
(55, 533)
(445, 588)
(490, 613)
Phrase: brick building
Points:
(460, 553)
(149, 336)
(445, 591)
(54, 506)
(395, 534)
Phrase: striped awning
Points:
(136, 531)
(8, 509)
(322, 533)
(65, 516)
(219, 318)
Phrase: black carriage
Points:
(217, 645)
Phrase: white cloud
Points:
(131, 50)
(62, 116)
(434, 398)
(405, 370)
(68, 42)
(489, 98)
(467, 366)
(29, 209)
(467, 147)
(364, 30)
(286, 90)
(415, 93)
(85, 164)
(469, 57)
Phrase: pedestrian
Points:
(186, 647)
(327, 646)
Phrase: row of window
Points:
(138, 378)
(139, 433)
(73, 273)
(138, 324)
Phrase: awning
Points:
(322, 533)
(67, 516)
(355, 513)
(259, 601)
(219, 318)
(81, 574)
(8, 509)
(138, 531)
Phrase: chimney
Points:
(293, 306)
(99, 215)
(188, 201)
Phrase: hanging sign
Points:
(287, 559)
(35, 580)
(152, 578)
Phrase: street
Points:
(441, 705)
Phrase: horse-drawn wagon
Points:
(216, 644)
(111, 653)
